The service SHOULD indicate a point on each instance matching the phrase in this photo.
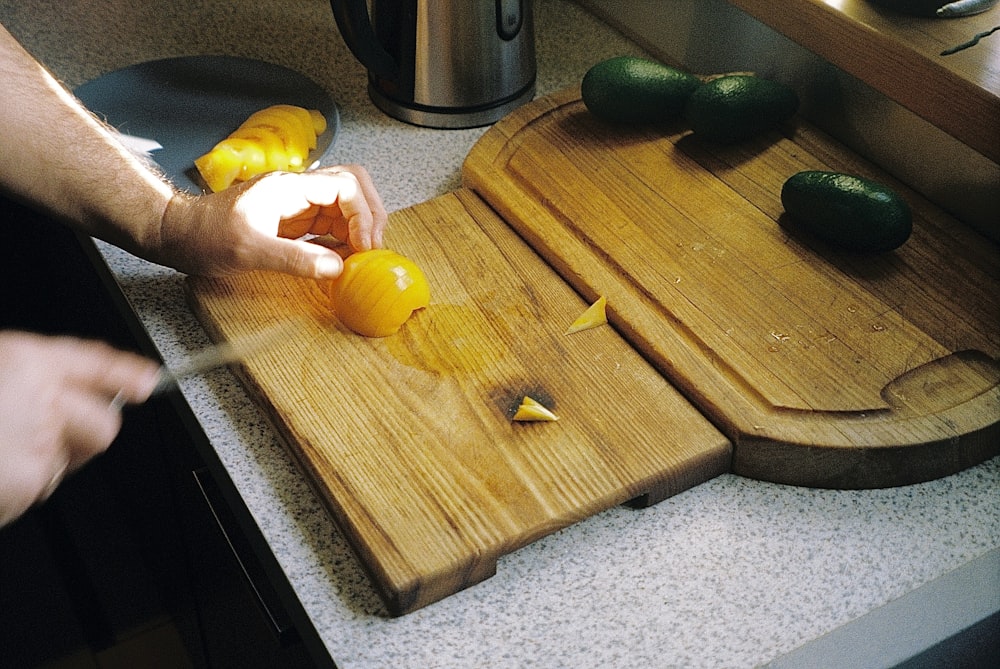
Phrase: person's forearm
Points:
(55, 155)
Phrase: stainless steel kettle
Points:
(443, 63)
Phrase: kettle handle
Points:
(359, 35)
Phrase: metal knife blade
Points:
(214, 356)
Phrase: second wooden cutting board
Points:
(409, 439)
(825, 368)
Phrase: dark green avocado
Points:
(632, 90)
(848, 211)
(735, 107)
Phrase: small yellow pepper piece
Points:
(596, 314)
(533, 410)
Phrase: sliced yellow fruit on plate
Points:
(278, 137)
(274, 148)
(596, 314)
(533, 410)
(293, 147)
(318, 121)
(294, 132)
(305, 120)
(230, 160)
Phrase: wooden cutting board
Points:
(813, 367)
(824, 368)
(409, 438)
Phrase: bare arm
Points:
(57, 156)
(54, 154)
(55, 393)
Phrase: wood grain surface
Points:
(409, 438)
(824, 368)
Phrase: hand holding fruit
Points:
(255, 225)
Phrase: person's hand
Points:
(56, 411)
(256, 225)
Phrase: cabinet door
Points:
(126, 562)
(242, 619)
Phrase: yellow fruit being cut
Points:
(596, 314)
(378, 291)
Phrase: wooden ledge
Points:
(901, 57)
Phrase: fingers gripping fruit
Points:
(378, 291)
(275, 138)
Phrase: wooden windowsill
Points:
(901, 57)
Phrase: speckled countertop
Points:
(732, 573)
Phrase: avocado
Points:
(632, 90)
(849, 211)
(735, 107)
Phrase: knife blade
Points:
(216, 355)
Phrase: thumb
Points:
(299, 258)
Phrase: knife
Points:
(209, 358)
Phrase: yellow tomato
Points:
(378, 291)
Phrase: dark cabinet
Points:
(146, 557)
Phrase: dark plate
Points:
(189, 104)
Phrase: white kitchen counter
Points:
(733, 573)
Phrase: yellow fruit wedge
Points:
(305, 120)
(318, 121)
(229, 160)
(533, 411)
(270, 142)
(596, 314)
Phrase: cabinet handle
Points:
(253, 573)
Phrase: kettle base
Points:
(450, 118)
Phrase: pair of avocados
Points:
(725, 109)
(845, 210)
